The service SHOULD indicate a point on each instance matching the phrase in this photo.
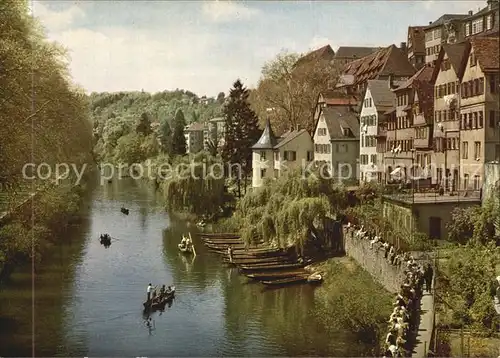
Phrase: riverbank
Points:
(33, 228)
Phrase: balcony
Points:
(381, 132)
(421, 143)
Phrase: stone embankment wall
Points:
(390, 276)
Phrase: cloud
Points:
(57, 20)
(227, 11)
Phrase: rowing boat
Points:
(269, 267)
(286, 281)
(159, 304)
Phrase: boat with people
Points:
(186, 245)
(105, 239)
(158, 301)
(124, 210)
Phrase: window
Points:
(476, 182)
(489, 22)
(466, 181)
(492, 119)
(472, 59)
(497, 152)
(494, 79)
(277, 156)
(374, 159)
(465, 150)
(290, 155)
(310, 156)
(477, 150)
(477, 26)
(322, 131)
(262, 155)
(474, 123)
(467, 29)
(262, 173)
(480, 119)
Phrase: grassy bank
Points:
(364, 304)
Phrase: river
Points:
(88, 299)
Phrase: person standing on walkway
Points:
(428, 275)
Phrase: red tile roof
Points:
(486, 51)
(383, 62)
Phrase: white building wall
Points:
(368, 128)
(262, 166)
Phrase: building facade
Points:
(271, 155)
(336, 143)
(479, 110)
(483, 23)
(416, 46)
(194, 134)
(448, 29)
(216, 130)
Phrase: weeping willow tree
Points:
(285, 211)
(196, 185)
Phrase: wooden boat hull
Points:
(159, 304)
(275, 275)
(219, 235)
(286, 281)
(270, 267)
(265, 260)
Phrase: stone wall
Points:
(391, 277)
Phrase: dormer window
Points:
(345, 131)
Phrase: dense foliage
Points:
(360, 305)
(116, 115)
(285, 211)
(197, 187)
(292, 91)
(241, 133)
(42, 117)
(465, 284)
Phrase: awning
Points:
(396, 171)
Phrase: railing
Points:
(433, 196)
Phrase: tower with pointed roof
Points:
(263, 156)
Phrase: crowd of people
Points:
(404, 318)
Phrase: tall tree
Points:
(220, 97)
(178, 138)
(241, 132)
(166, 137)
(291, 90)
(143, 125)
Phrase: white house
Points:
(336, 142)
(272, 155)
(378, 99)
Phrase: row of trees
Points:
(43, 118)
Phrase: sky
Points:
(204, 46)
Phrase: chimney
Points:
(430, 22)
(470, 12)
(403, 46)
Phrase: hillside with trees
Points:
(129, 125)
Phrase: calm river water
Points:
(88, 299)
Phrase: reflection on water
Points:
(89, 299)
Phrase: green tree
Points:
(143, 125)
(241, 132)
(220, 97)
(166, 137)
(178, 138)
(292, 90)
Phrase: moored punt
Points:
(223, 242)
(219, 235)
(275, 275)
(269, 267)
(263, 260)
(286, 281)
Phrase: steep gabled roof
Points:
(325, 52)
(381, 93)
(338, 118)
(486, 52)
(422, 75)
(289, 136)
(267, 140)
(446, 17)
(386, 61)
(355, 52)
(456, 54)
